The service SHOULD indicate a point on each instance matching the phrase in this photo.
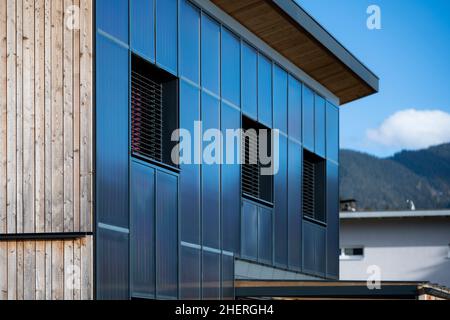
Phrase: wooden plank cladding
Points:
(46, 148)
(46, 270)
(46, 116)
(280, 30)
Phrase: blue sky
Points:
(411, 55)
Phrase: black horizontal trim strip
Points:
(394, 291)
(45, 236)
(151, 161)
(252, 198)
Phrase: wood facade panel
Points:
(46, 145)
(3, 118)
(266, 20)
(38, 270)
(46, 116)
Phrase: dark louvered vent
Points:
(313, 189)
(251, 168)
(146, 116)
(308, 187)
(154, 112)
(254, 184)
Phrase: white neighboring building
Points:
(407, 245)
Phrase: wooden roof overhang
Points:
(292, 32)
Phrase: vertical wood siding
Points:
(40, 270)
(46, 145)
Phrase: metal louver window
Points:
(154, 112)
(313, 188)
(251, 169)
(308, 188)
(146, 116)
(254, 185)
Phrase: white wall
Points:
(408, 249)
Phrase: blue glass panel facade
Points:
(314, 249)
(309, 248)
(112, 18)
(280, 92)
(249, 231)
(332, 132)
(333, 220)
(280, 207)
(264, 91)
(221, 78)
(231, 183)
(190, 276)
(227, 277)
(265, 239)
(189, 41)
(211, 275)
(166, 236)
(295, 109)
(249, 81)
(142, 28)
(112, 268)
(308, 118)
(231, 67)
(320, 132)
(211, 174)
(142, 212)
(210, 54)
(294, 204)
(112, 133)
(190, 172)
(320, 255)
(167, 35)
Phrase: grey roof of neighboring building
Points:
(395, 214)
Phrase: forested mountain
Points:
(386, 184)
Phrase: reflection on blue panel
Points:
(280, 92)
(320, 250)
(211, 275)
(308, 118)
(113, 18)
(189, 41)
(249, 81)
(227, 277)
(249, 231)
(320, 126)
(142, 202)
(332, 132)
(190, 276)
(166, 34)
(314, 249)
(111, 267)
(309, 250)
(231, 184)
(166, 235)
(280, 207)
(265, 235)
(211, 176)
(231, 67)
(210, 41)
(265, 91)
(142, 28)
(190, 173)
(294, 204)
(112, 133)
(333, 220)
(295, 109)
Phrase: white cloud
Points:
(413, 129)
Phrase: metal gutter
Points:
(395, 214)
